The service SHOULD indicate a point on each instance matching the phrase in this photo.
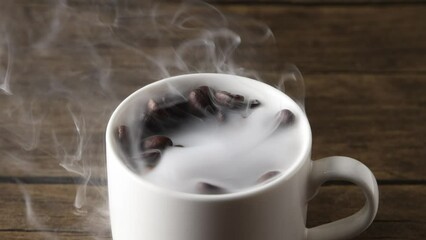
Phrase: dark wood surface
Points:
(364, 65)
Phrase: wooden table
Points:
(66, 66)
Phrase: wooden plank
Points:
(293, 2)
(398, 217)
(43, 235)
(351, 39)
(401, 214)
(316, 2)
(317, 39)
(51, 208)
(376, 118)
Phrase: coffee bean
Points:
(223, 98)
(160, 112)
(178, 110)
(157, 112)
(123, 138)
(174, 106)
(151, 157)
(285, 117)
(170, 112)
(268, 176)
(254, 103)
(150, 125)
(207, 188)
(164, 115)
(151, 106)
(226, 99)
(152, 148)
(122, 132)
(156, 142)
(200, 101)
(220, 116)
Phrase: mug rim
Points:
(259, 189)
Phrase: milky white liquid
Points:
(231, 155)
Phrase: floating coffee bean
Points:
(207, 188)
(150, 125)
(167, 113)
(151, 106)
(268, 176)
(285, 117)
(152, 147)
(156, 142)
(226, 99)
(220, 116)
(156, 111)
(151, 157)
(123, 138)
(223, 98)
(200, 101)
(164, 116)
(122, 133)
(254, 103)
(178, 110)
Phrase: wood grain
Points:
(398, 216)
(315, 2)
(246, 2)
(360, 39)
(401, 214)
(374, 118)
(42, 235)
(350, 39)
(52, 208)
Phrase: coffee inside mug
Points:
(225, 147)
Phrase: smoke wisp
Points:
(65, 66)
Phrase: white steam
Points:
(64, 67)
(5, 50)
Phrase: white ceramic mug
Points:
(276, 210)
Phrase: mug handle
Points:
(351, 170)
